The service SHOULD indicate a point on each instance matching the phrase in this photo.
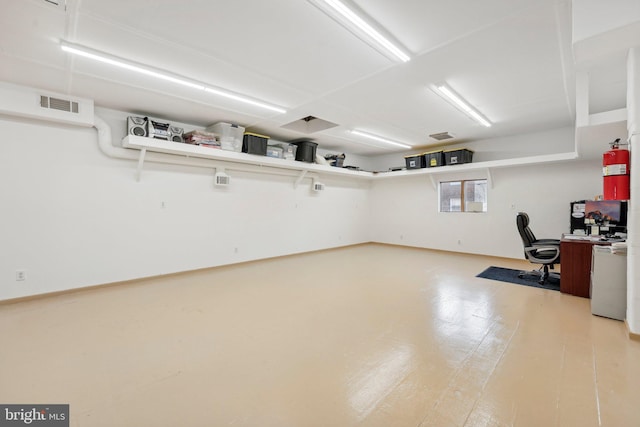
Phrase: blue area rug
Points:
(511, 276)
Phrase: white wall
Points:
(594, 17)
(405, 210)
(73, 217)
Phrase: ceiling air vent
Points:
(441, 136)
(58, 104)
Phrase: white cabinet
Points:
(609, 283)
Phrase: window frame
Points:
(463, 201)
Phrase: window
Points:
(472, 192)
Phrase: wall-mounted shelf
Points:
(145, 144)
(488, 166)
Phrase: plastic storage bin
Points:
(229, 135)
(275, 151)
(458, 157)
(415, 161)
(254, 143)
(289, 152)
(306, 151)
(434, 158)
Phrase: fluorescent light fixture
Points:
(241, 98)
(163, 75)
(358, 26)
(459, 103)
(379, 139)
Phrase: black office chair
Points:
(538, 251)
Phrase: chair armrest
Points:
(550, 253)
(552, 242)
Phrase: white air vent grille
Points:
(441, 136)
(58, 104)
(22, 101)
(222, 179)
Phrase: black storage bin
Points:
(434, 158)
(415, 161)
(458, 157)
(306, 151)
(254, 143)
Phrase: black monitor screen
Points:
(603, 210)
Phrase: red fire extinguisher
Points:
(615, 170)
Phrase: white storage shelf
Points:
(486, 166)
(168, 147)
(491, 164)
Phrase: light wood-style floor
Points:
(369, 335)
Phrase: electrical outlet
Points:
(21, 275)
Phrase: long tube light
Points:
(162, 75)
(462, 105)
(354, 23)
(379, 139)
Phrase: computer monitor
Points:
(607, 212)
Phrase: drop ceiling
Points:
(511, 59)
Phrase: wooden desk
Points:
(575, 266)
